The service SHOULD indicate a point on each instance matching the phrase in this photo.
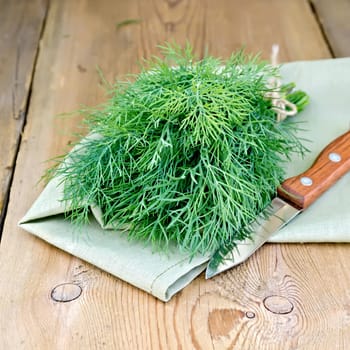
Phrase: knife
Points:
(293, 196)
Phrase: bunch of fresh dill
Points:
(188, 151)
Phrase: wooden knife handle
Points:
(332, 163)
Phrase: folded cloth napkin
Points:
(328, 220)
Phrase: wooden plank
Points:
(334, 18)
(286, 296)
(20, 27)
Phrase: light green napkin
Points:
(328, 220)
(328, 116)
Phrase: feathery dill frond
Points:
(188, 151)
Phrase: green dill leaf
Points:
(188, 151)
(127, 22)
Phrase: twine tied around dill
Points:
(281, 106)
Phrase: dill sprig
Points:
(187, 151)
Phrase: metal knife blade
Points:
(280, 213)
(294, 195)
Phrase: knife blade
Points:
(294, 195)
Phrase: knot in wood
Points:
(250, 314)
(222, 321)
(65, 292)
(278, 305)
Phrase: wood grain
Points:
(325, 171)
(20, 27)
(334, 19)
(285, 297)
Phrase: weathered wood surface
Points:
(334, 19)
(285, 297)
(20, 27)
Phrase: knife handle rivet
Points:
(334, 157)
(306, 181)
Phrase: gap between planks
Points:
(24, 113)
(327, 41)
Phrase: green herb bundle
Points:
(188, 151)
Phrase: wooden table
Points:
(285, 297)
